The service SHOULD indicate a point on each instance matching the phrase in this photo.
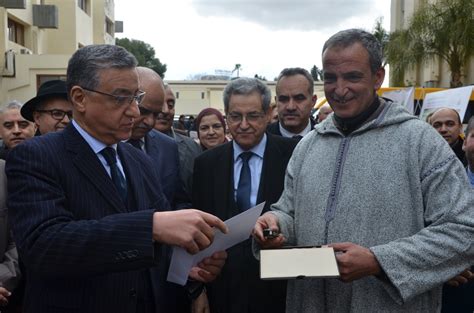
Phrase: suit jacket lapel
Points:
(224, 173)
(270, 159)
(88, 164)
(134, 181)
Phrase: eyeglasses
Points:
(57, 114)
(146, 112)
(235, 118)
(121, 100)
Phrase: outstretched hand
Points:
(270, 221)
(209, 268)
(190, 229)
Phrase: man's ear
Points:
(379, 77)
(78, 98)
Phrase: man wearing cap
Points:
(50, 110)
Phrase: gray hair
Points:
(85, 64)
(12, 105)
(470, 126)
(292, 71)
(246, 86)
(348, 37)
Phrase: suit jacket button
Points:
(132, 292)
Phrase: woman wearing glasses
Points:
(50, 110)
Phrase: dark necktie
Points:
(245, 182)
(136, 143)
(297, 137)
(117, 177)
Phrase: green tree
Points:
(443, 29)
(381, 34)
(316, 73)
(144, 53)
(260, 77)
(237, 68)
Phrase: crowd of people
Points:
(102, 183)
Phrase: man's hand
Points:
(461, 279)
(209, 268)
(189, 229)
(4, 294)
(355, 261)
(200, 304)
(268, 220)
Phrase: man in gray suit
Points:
(9, 268)
(188, 149)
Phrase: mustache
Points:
(341, 99)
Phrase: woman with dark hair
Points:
(210, 126)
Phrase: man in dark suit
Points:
(87, 211)
(234, 177)
(162, 149)
(9, 266)
(295, 99)
(188, 149)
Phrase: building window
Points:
(40, 79)
(109, 27)
(16, 32)
(203, 95)
(177, 94)
(83, 5)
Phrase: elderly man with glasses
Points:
(87, 210)
(50, 110)
(235, 176)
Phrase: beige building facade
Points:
(37, 38)
(192, 96)
(434, 73)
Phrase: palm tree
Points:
(237, 68)
(381, 34)
(443, 29)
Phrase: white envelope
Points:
(296, 262)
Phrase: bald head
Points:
(448, 124)
(152, 104)
(324, 111)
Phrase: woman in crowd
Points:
(210, 125)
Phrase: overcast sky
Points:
(264, 36)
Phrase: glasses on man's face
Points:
(146, 112)
(122, 100)
(57, 114)
(252, 117)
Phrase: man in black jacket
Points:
(235, 176)
(294, 98)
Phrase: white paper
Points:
(240, 228)
(455, 98)
(406, 97)
(298, 263)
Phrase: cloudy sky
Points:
(264, 36)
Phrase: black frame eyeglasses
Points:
(121, 100)
(57, 114)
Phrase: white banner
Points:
(455, 98)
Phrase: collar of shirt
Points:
(471, 176)
(97, 146)
(288, 134)
(258, 149)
